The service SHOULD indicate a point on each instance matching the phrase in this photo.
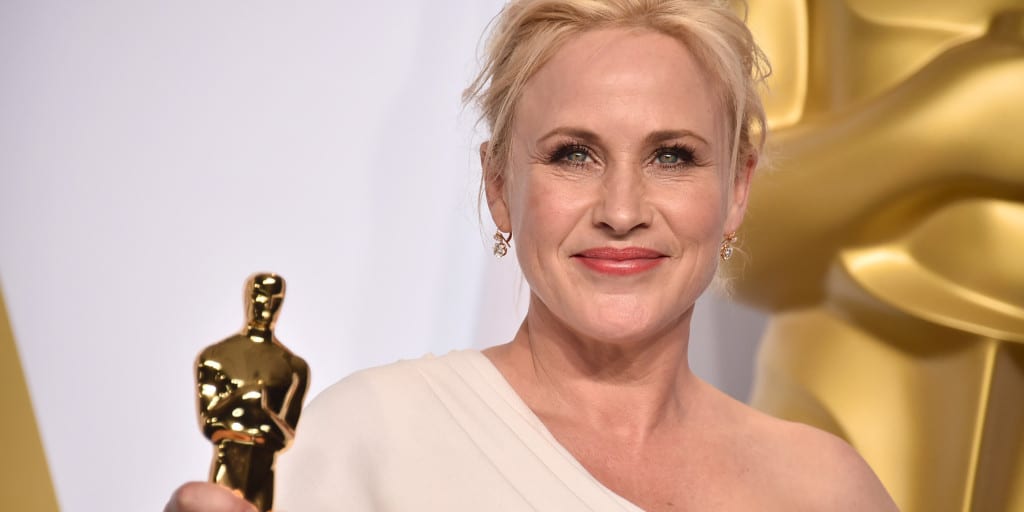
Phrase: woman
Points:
(624, 136)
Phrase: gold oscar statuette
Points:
(250, 390)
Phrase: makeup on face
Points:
(619, 261)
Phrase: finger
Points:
(206, 497)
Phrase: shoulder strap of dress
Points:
(513, 438)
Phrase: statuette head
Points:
(264, 295)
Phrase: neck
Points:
(259, 332)
(627, 386)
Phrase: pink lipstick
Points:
(620, 262)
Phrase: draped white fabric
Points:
(153, 154)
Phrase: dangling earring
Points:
(726, 251)
(501, 243)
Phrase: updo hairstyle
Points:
(528, 32)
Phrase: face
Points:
(615, 191)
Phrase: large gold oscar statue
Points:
(24, 476)
(888, 242)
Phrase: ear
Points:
(740, 193)
(494, 189)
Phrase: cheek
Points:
(697, 214)
(544, 213)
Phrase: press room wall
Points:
(155, 154)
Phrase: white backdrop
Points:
(155, 154)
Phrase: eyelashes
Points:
(571, 154)
(674, 156)
(678, 155)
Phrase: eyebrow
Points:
(652, 138)
(663, 135)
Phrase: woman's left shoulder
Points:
(817, 469)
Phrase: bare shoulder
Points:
(815, 470)
(792, 466)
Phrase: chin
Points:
(627, 325)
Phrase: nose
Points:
(622, 207)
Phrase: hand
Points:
(207, 497)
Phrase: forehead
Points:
(620, 83)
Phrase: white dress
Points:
(440, 433)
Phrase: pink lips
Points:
(625, 261)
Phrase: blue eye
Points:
(668, 158)
(577, 157)
(676, 156)
(570, 154)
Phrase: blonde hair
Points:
(528, 32)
